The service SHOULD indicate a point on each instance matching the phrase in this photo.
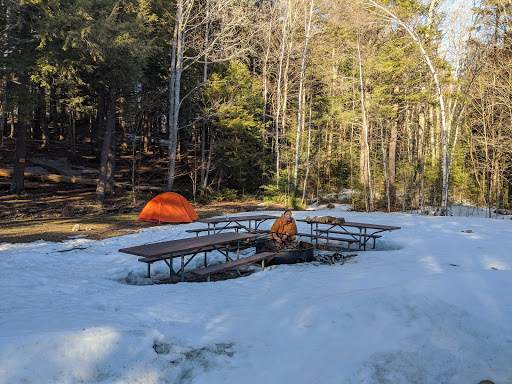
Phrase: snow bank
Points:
(431, 304)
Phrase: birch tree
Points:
(278, 106)
(391, 18)
(307, 28)
(190, 45)
(365, 170)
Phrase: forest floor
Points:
(49, 210)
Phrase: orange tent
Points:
(168, 207)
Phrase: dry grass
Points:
(103, 225)
(98, 227)
(49, 210)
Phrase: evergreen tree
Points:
(18, 65)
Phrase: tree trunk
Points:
(308, 152)
(301, 90)
(365, 148)
(11, 135)
(36, 122)
(385, 164)
(99, 124)
(329, 154)
(284, 121)
(107, 164)
(3, 124)
(432, 123)
(509, 184)
(111, 168)
(265, 96)
(20, 157)
(209, 164)
(45, 131)
(18, 176)
(176, 70)
(393, 136)
(276, 121)
(124, 139)
(419, 182)
(73, 135)
(145, 133)
(204, 127)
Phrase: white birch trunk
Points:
(301, 90)
(365, 155)
(308, 152)
(414, 36)
(276, 121)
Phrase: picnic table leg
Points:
(171, 271)
(360, 235)
(205, 261)
(316, 231)
(149, 270)
(238, 250)
(362, 238)
(182, 267)
(328, 229)
(311, 233)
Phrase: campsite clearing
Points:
(50, 215)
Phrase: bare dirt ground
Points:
(50, 210)
(51, 213)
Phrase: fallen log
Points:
(26, 184)
(75, 180)
(139, 187)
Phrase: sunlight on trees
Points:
(405, 103)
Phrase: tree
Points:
(20, 56)
(391, 18)
(238, 142)
(488, 119)
(189, 47)
(307, 31)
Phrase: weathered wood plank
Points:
(232, 264)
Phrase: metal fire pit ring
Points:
(303, 253)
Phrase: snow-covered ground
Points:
(432, 304)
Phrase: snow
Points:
(431, 304)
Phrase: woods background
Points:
(407, 103)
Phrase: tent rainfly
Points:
(168, 207)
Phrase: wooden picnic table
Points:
(168, 250)
(362, 236)
(230, 221)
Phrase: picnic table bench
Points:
(373, 236)
(168, 250)
(362, 236)
(199, 230)
(218, 224)
(210, 270)
(349, 241)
